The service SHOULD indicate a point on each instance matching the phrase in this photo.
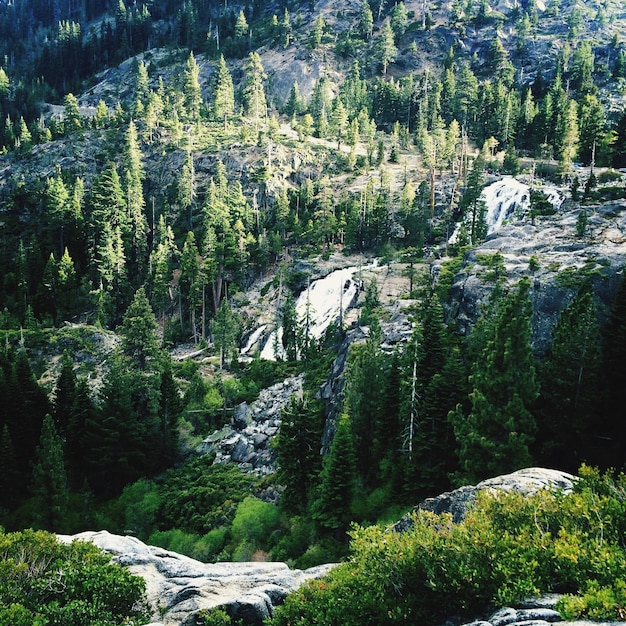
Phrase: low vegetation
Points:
(47, 583)
(510, 546)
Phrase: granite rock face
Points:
(529, 480)
(178, 586)
(553, 255)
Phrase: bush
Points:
(253, 524)
(44, 582)
(510, 546)
(199, 496)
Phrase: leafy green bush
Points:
(213, 617)
(510, 546)
(199, 496)
(252, 527)
(47, 583)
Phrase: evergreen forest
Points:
(173, 175)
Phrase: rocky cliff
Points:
(554, 252)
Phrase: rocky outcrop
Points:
(553, 255)
(178, 587)
(533, 612)
(529, 480)
(246, 441)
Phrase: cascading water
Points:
(508, 197)
(326, 300)
(503, 198)
(323, 302)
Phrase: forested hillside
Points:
(174, 175)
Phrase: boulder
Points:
(247, 440)
(529, 480)
(178, 587)
(534, 612)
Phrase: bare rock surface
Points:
(528, 480)
(178, 586)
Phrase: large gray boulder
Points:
(528, 480)
(178, 587)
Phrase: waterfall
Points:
(509, 197)
(323, 302)
(503, 198)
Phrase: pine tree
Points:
(366, 381)
(64, 395)
(223, 93)
(108, 222)
(169, 412)
(138, 331)
(570, 385)
(387, 50)
(254, 92)
(338, 481)
(399, 19)
(366, 22)
(50, 488)
(241, 26)
(224, 329)
(192, 90)
(298, 452)
(72, 120)
(135, 203)
(497, 434)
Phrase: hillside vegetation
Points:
(174, 175)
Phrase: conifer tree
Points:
(497, 434)
(223, 93)
(135, 203)
(190, 283)
(108, 222)
(64, 395)
(366, 20)
(298, 451)
(254, 92)
(224, 329)
(192, 91)
(366, 378)
(338, 481)
(72, 120)
(387, 50)
(50, 488)
(169, 412)
(570, 379)
(138, 330)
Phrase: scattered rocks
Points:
(533, 612)
(247, 441)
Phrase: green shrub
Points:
(254, 523)
(213, 617)
(200, 496)
(44, 582)
(510, 546)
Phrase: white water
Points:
(326, 299)
(254, 337)
(508, 197)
